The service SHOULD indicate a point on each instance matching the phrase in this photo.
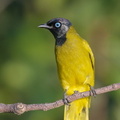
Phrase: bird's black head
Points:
(59, 28)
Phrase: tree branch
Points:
(20, 108)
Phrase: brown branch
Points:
(20, 108)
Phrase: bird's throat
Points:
(61, 40)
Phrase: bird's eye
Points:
(57, 25)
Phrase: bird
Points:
(75, 66)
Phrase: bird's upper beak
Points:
(45, 26)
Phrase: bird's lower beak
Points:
(45, 26)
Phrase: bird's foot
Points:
(65, 100)
(75, 92)
(92, 91)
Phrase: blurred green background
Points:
(27, 64)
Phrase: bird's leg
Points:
(65, 100)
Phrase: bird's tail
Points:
(77, 110)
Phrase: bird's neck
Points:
(70, 35)
(73, 35)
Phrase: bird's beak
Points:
(45, 26)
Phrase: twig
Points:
(20, 108)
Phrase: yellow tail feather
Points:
(77, 110)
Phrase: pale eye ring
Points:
(57, 24)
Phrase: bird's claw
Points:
(92, 91)
(65, 100)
